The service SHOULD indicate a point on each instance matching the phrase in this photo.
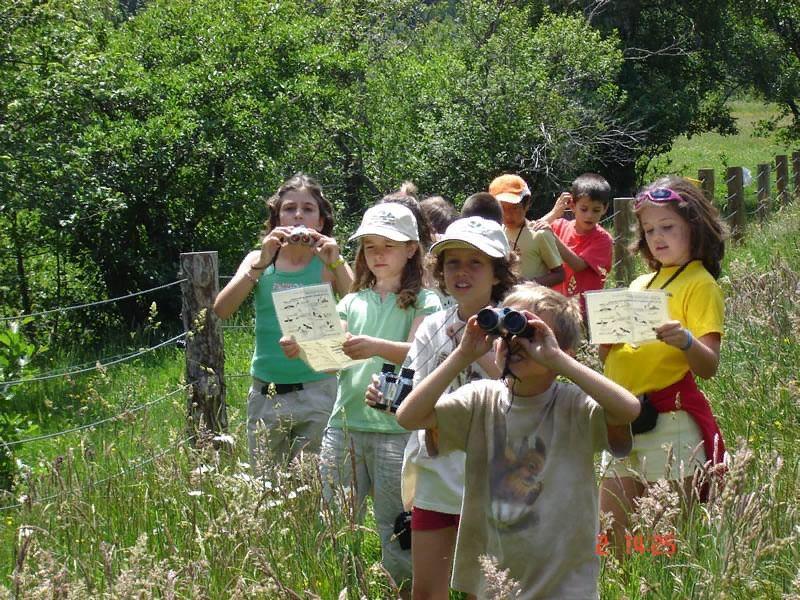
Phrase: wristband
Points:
(689, 340)
(336, 264)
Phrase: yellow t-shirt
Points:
(538, 253)
(694, 299)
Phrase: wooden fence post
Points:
(764, 200)
(706, 177)
(796, 172)
(623, 261)
(735, 205)
(782, 179)
(205, 366)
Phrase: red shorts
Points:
(428, 520)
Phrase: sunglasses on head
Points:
(657, 196)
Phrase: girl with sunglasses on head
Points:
(682, 239)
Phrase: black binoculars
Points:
(504, 321)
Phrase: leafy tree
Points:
(763, 54)
(674, 80)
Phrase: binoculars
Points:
(504, 321)
(393, 388)
(301, 235)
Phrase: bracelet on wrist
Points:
(689, 340)
(336, 264)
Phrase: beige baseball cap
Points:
(390, 220)
(475, 232)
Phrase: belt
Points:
(281, 388)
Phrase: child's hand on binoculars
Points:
(475, 342)
(373, 395)
(326, 247)
(542, 346)
(272, 242)
(289, 346)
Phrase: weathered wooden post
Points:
(205, 366)
(706, 177)
(796, 173)
(735, 206)
(764, 199)
(782, 179)
(623, 260)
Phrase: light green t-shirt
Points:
(538, 252)
(366, 314)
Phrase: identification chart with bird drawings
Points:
(625, 316)
(309, 314)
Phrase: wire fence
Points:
(91, 304)
(116, 417)
(30, 501)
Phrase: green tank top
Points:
(269, 362)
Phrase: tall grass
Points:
(135, 509)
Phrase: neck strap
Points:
(672, 278)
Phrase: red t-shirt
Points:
(595, 247)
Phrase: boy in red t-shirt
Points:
(585, 247)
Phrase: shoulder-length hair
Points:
(707, 231)
(305, 183)
(410, 281)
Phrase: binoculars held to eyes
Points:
(393, 388)
(505, 322)
(301, 235)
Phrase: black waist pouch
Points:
(648, 416)
(402, 530)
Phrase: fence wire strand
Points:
(89, 484)
(124, 413)
(88, 304)
(99, 365)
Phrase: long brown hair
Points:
(707, 232)
(410, 281)
(304, 183)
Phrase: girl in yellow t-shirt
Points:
(682, 238)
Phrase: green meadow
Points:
(132, 507)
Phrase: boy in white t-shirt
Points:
(530, 498)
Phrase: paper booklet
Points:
(309, 314)
(625, 316)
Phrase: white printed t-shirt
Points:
(435, 482)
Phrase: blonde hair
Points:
(564, 313)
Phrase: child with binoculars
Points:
(530, 497)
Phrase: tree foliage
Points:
(131, 131)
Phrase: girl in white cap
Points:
(473, 263)
(386, 305)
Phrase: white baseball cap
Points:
(475, 232)
(390, 220)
